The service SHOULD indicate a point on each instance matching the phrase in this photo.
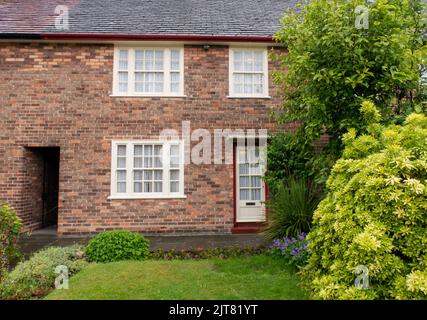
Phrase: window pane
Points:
(175, 81)
(139, 87)
(258, 57)
(123, 81)
(137, 175)
(174, 186)
(175, 57)
(148, 175)
(174, 175)
(139, 54)
(121, 162)
(244, 182)
(157, 162)
(121, 187)
(158, 150)
(139, 60)
(174, 156)
(149, 60)
(123, 54)
(148, 150)
(158, 54)
(148, 187)
(258, 89)
(255, 194)
(248, 61)
(137, 150)
(174, 162)
(174, 150)
(158, 175)
(244, 168)
(137, 162)
(255, 169)
(148, 162)
(121, 175)
(256, 182)
(137, 187)
(238, 56)
(238, 78)
(158, 186)
(175, 87)
(244, 194)
(121, 150)
(123, 60)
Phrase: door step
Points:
(247, 228)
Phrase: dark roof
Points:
(232, 18)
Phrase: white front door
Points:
(250, 188)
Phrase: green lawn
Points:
(256, 277)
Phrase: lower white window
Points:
(147, 169)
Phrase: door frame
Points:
(264, 190)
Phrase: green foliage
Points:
(331, 66)
(208, 253)
(287, 155)
(291, 154)
(36, 277)
(10, 227)
(117, 245)
(291, 208)
(375, 214)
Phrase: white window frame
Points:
(131, 72)
(165, 194)
(232, 94)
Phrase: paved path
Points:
(46, 238)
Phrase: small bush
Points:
(374, 215)
(291, 209)
(36, 277)
(10, 227)
(117, 245)
(293, 250)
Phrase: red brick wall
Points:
(59, 95)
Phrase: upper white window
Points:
(141, 71)
(248, 73)
(147, 169)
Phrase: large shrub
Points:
(10, 227)
(36, 276)
(291, 207)
(117, 245)
(375, 215)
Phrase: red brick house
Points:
(87, 89)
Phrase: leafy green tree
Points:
(334, 61)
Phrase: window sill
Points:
(147, 197)
(146, 96)
(248, 97)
